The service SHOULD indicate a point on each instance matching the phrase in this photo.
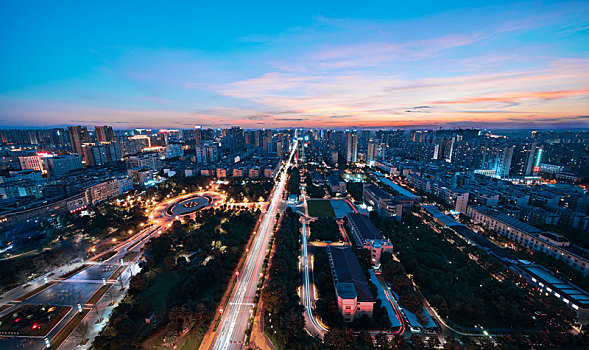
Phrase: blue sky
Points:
(285, 64)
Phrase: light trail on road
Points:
(317, 328)
(234, 320)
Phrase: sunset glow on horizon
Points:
(419, 65)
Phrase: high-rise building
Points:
(207, 152)
(101, 153)
(134, 144)
(279, 149)
(371, 151)
(150, 161)
(172, 150)
(58, 166)
(94, 154)
(267, 141)
(104, 134)
(32, 162)
(198, 134)
(78, 137)
(504, 159)
(351, 147)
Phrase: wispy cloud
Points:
(485, 69)
(546, 95)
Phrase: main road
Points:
(234, 321)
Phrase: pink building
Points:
(354, 298)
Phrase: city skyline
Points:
(523, 65)
(328, 175)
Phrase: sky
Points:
(333, 64)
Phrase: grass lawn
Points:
(33, 320)
(98, 294)
(73, 272)
(117, 273)
(4, 307)
(320, 208)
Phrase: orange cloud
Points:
(547, 95)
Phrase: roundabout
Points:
(189, 205)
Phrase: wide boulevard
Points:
(234, 321)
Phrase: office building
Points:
(351, 146)
(382, 202)
(78, 136)
(58, 166)
(32, 162)
(367, 236)
(104, 134)
(354, 298)
(207, 152)
(549, 243)
(573, 296)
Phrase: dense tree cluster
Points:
(325, 229)
(283, 316)
(108, 219)
(175, 185)
(394, 273)
(455, 284)
(315, 191)
(294, 181)
(247, 190)
(185, 275)
(18, 270)
(356, 190)
(312, 190)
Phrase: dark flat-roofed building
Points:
(366, 235)
(573, 296)
(550, 243)
(354, 298)
(336, 184)
(382, 202)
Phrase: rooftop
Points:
(346, 271)
(437, 214)
(569, 290)
(364, 226)
(398, 188)
(557, 237)
(377, 191)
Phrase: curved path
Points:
(312, 324)
(166, 212)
